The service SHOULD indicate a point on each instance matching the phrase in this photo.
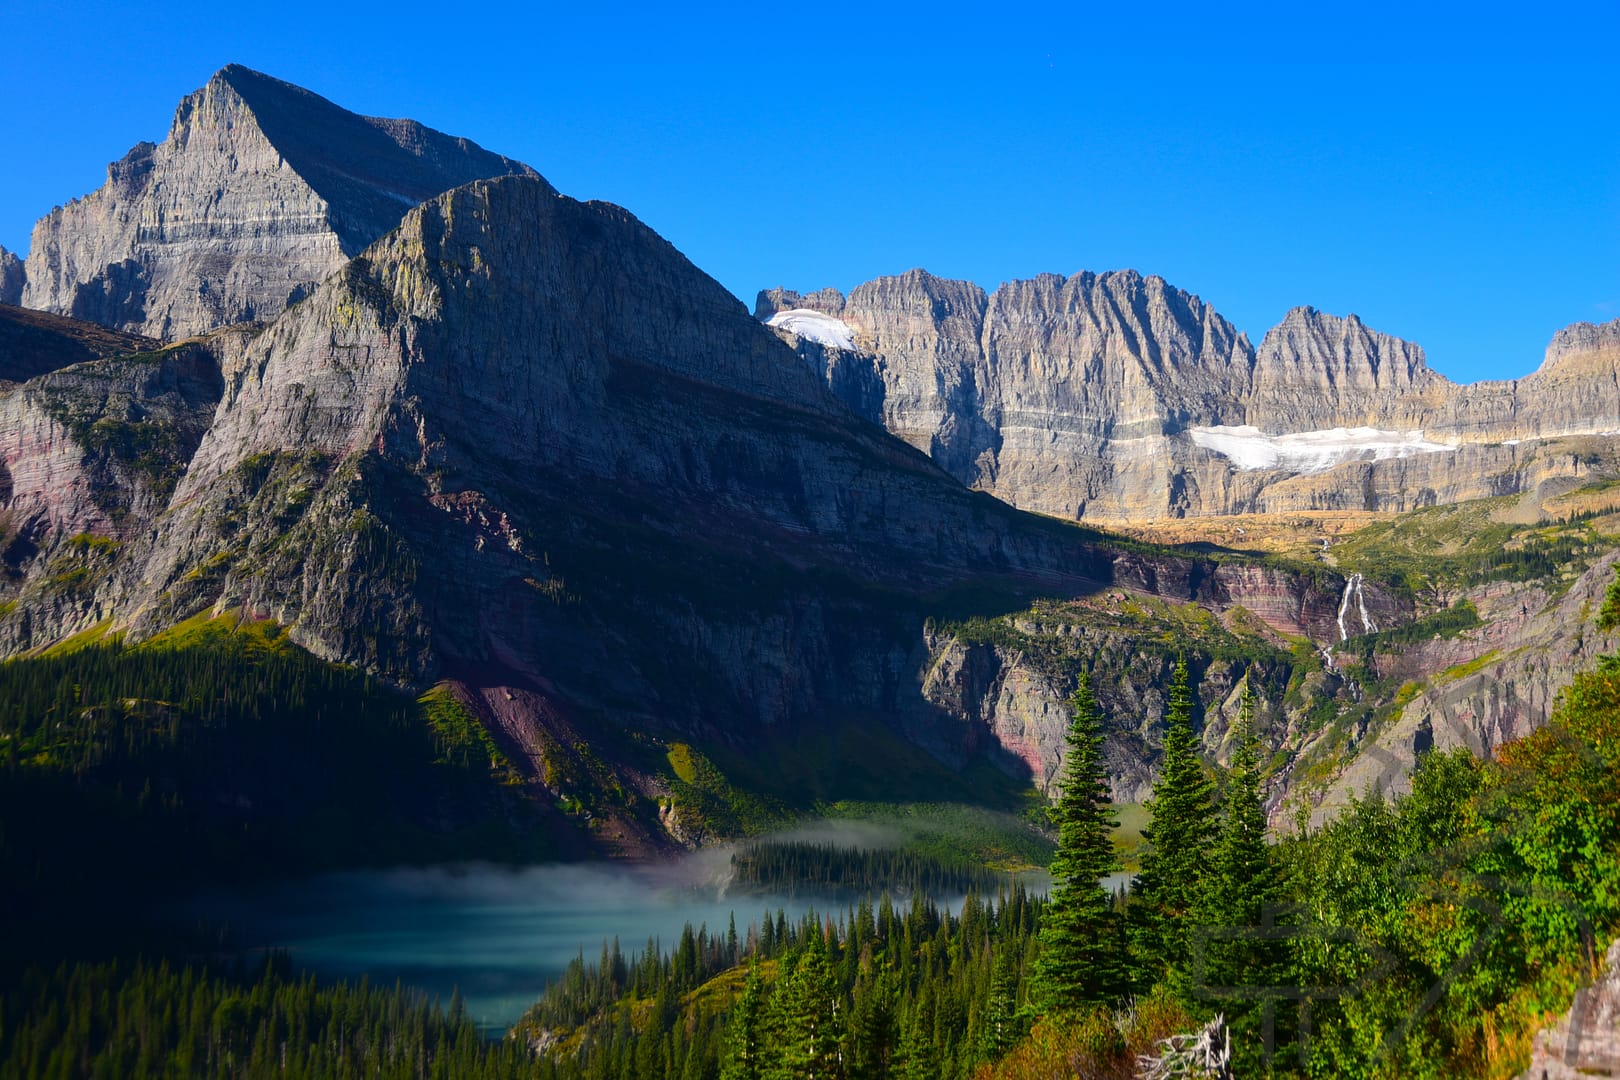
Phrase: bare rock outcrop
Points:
(260, 190)
(1314, 371)
(1585, 1041)
(1115, 397)
(89, 457)
(12, 277)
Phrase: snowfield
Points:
(1312, 451)
(815, 326)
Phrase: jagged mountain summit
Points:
(1117, 397)
(260, 190)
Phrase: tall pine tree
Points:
(1242, 956)
(1080, 962)
(1168, 891)
(745, 1040)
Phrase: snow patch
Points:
(815, 326)
(1312, 451)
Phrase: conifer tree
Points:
(808, 1014)
(1167, 893)
(1245, 887)
(1080, 962)
(746, 1036)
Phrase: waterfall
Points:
(1361, 602)
(1350, 586)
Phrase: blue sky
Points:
(1449, 173)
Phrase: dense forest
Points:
(217, 754)
(834, 870)
(1427, 935)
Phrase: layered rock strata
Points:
(522, 443)
(1115, 397)
(260, 190)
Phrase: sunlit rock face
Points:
(260, 190)
(1114, 397)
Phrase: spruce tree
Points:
(746, 1037)
(1244, 892)
(1167, 893)
(1080, 962)
(807, 1013)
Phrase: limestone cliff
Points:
(519, 442)
(1314, 371)
(89, 457)
(11, 278)
(522, 443)
(260, 190)
(1115, 397)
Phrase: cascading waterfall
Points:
(1352, 588)
(1351, 585)
(1361, 604)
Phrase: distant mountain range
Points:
(1116, 397)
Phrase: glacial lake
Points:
(498, 934)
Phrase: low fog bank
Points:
(500, 933)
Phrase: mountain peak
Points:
(260, 190)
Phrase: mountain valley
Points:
(351, 471)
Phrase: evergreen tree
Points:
(1182, 827)
(808, 1014)
(1080, 963)
(1245, 891)
(746, 1036)
(1001, 1026)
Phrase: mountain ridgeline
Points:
(397, 396)
(515, 442)
(1116, 397)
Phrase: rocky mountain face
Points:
(89, 457)
(1585, 1040)
(1116, 397)
(260, 190)
(520, 443)
(11, 278)
(516, 443)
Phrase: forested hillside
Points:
(220, 753)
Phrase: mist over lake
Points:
(499, 934)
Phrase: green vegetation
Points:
(220, 749)
(710, 805)
(151, 1021)
(1080, 961)
(1432, 553)
(831, 870)
(956, 832)
(1181, 831)
(462, 740)
(878, 991)
(1426, 937)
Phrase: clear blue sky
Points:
(1451, 174)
